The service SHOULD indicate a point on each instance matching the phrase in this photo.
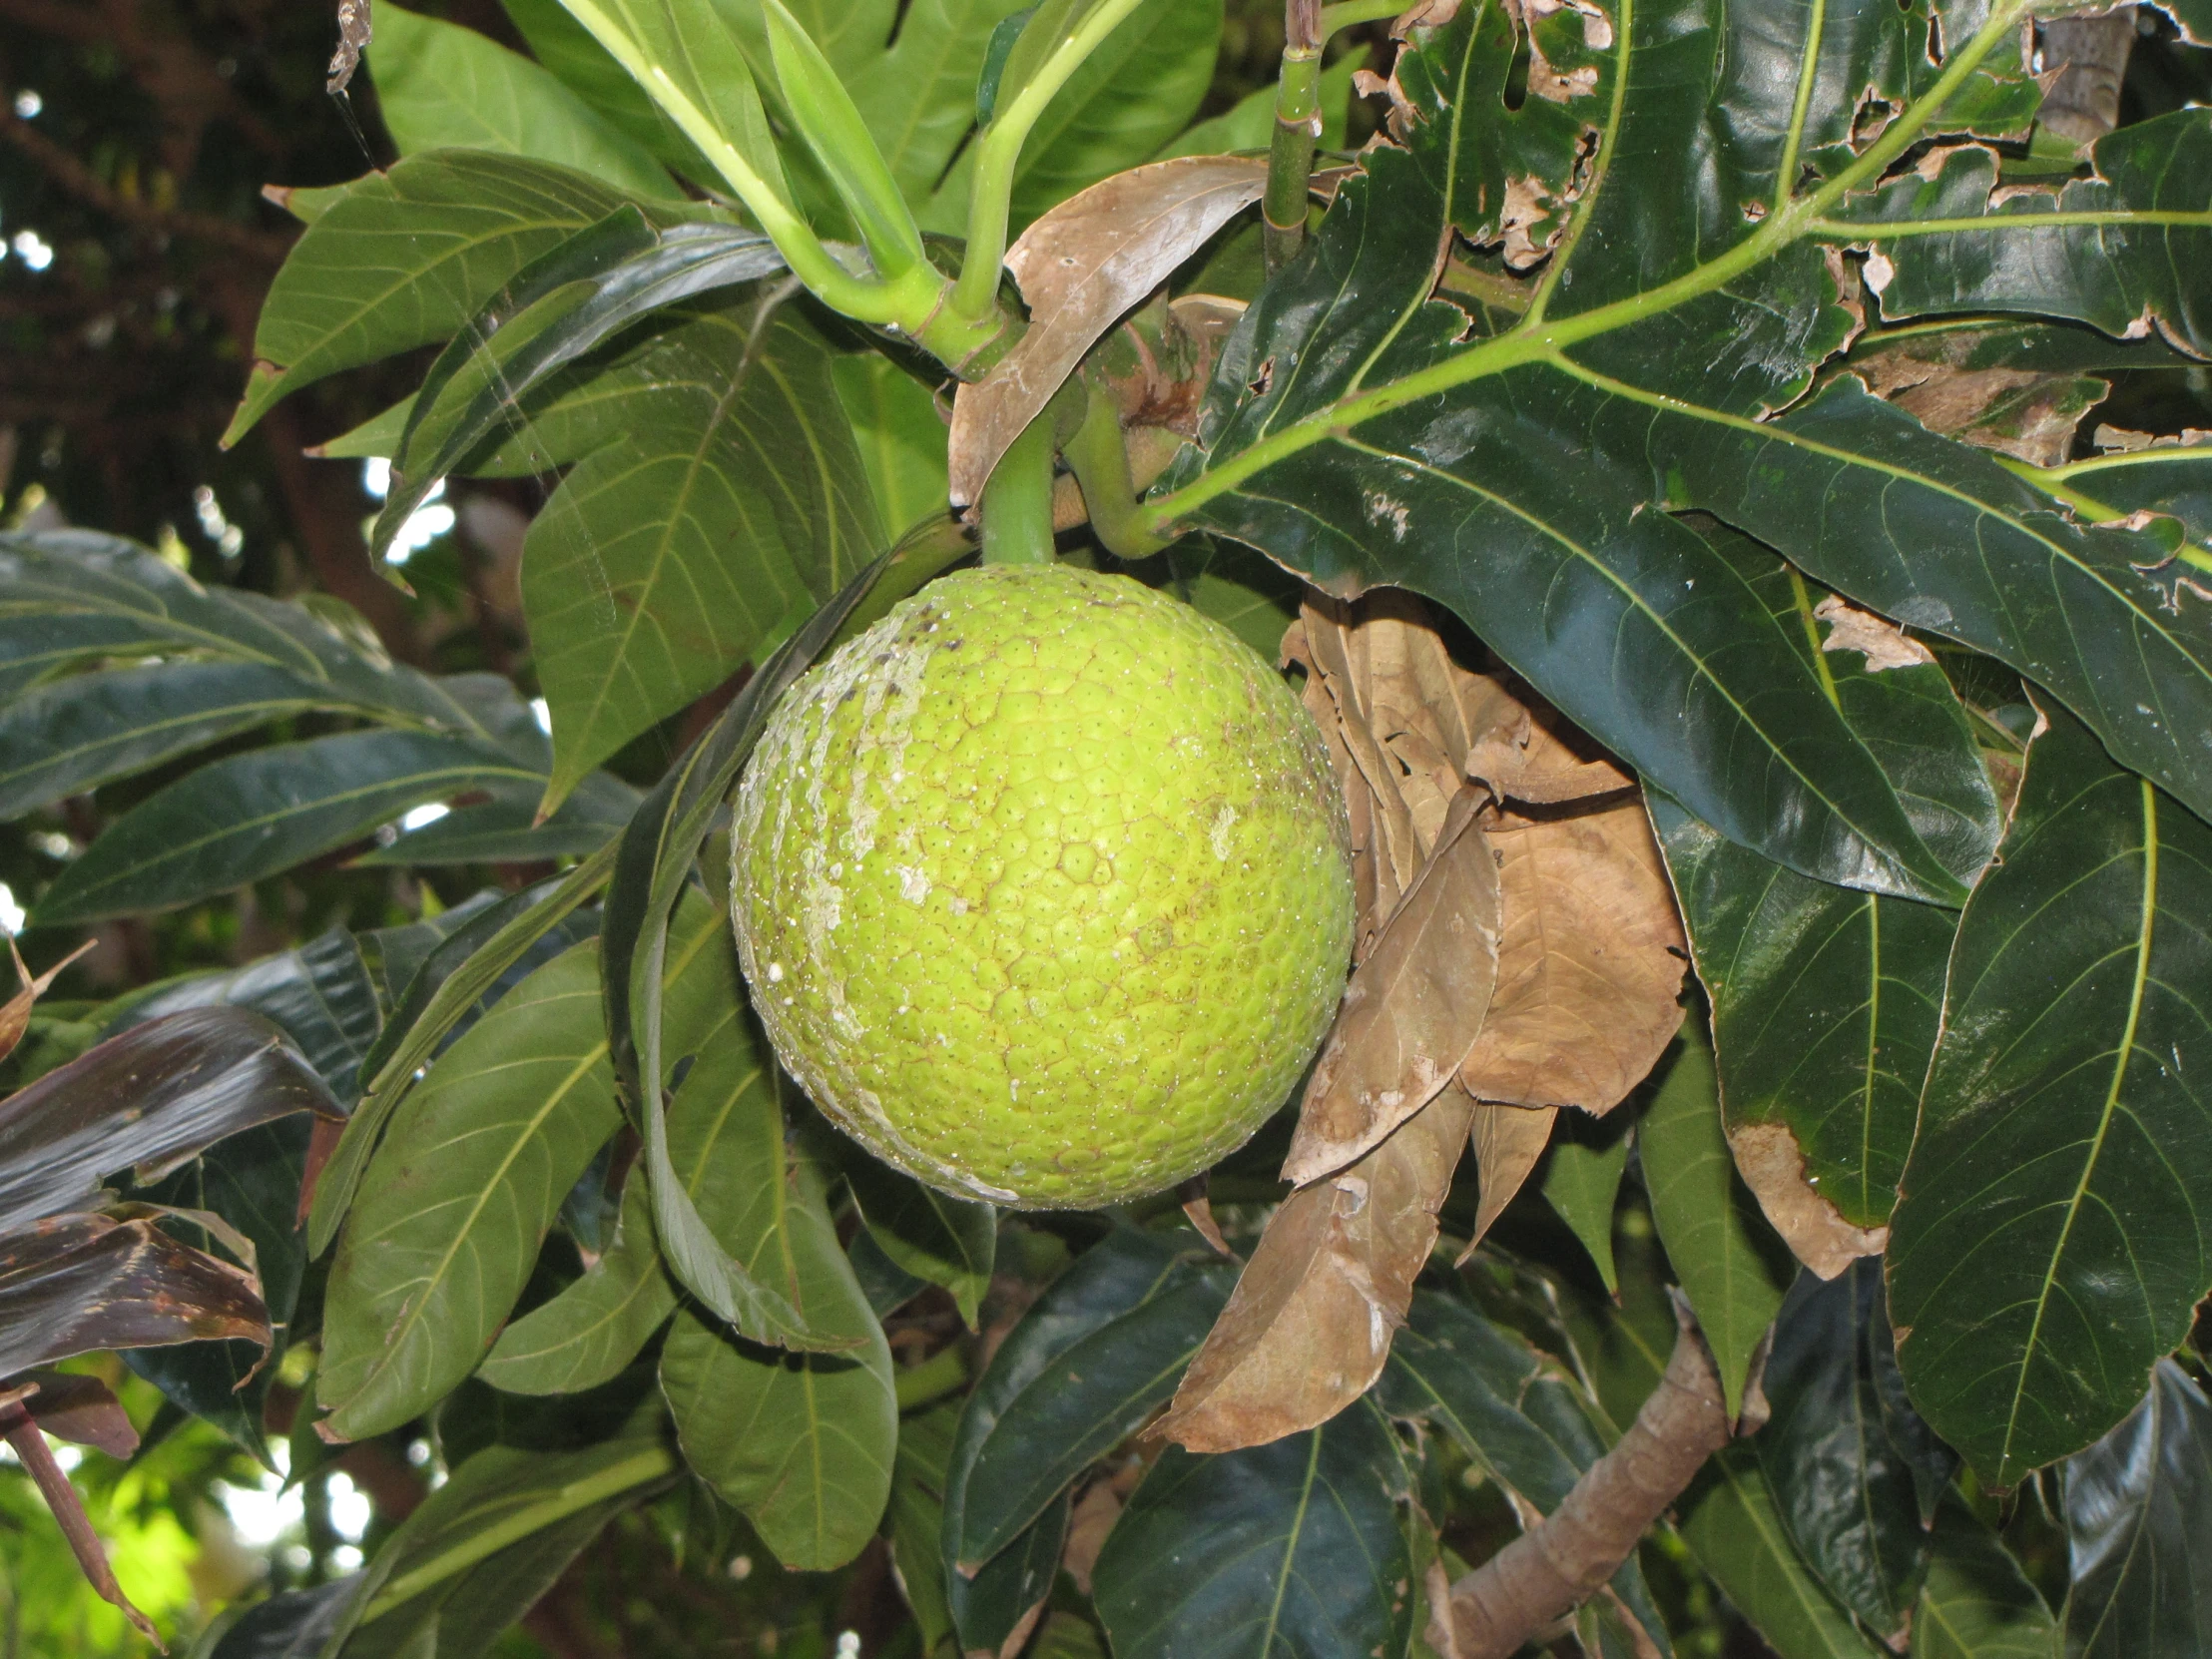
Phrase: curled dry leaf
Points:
(1507, 1142)
(22, 1433)
(15, 1013)
(1880, 641)
(1772, 1164)
(82, 1409)
(1412, 1008)
(2028, 413)
(1589, 964)
(1080, 266)
(1308, 1326)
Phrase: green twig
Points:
(1297, 128)
(1017, 502)
(1098, 455)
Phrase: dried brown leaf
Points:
(1773, 1167)
(1199, 1211)
(2028, 413)
(1590, 961)
(1414, 1008)
(1080, 266)
(22, 1433)
(15, 1013)
(1507, 1142)
(1092, 1518)
(1308, 1326)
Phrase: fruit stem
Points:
(1098, 454)
(1017, 502)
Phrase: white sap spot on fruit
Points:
(959, 905)
(776, 974)
(1224, 822)
(913, 885)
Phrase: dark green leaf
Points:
(321, 995)
(2051, 1245)
(917, 1517)
(1522, 1419)
(652, 863)
(188, 1080)
(291, 1624)
(252, 1182)
(940, 1240)
(1976, 1603)
(72, 736)
(1252, 598)
(457, 1200)
(440, 86)
(1825, 1003)
(1091, 1394)
(998, 49)
(405, 257)
(249, 816)
(801, 1442)
(2138, 1506)
(506, 831)
(1847, 1495)
(1296, 1548)
(1729, 1519)
(2171, 478)
(1728, 1259)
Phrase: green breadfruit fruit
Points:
(1043, 888)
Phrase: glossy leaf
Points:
(1847, 1491)
(939, 1239)
(71, 736)
(1728, 1261)
(1296, 1549)
(249, 816)
(1826, 1005)
(2050, 1246)
(1729, 1519)
(440, 86)
(151, 1097)
(802, 1444)
(916, 1517)
(506, 831)
(405, 257)
(1520, 1419)
(1093, 1394)
(2158, 477)
(1976, 1603)
(2137, 1506)
(452, 1210)
(588, 1333)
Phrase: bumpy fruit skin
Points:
(1043, 888)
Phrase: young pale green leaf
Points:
(1094, 1393)
(1521, 1419)
(1729, 1519)
(586, 1334)
(716, 493)
(1847, 1490)
(939, 1239)
(2138, 1506)
(505, 1522)
(802, 1444)
(1826, 1005)
(2050, 1246)
(457, 1200)
(1298, 1547)
(1582, 1182)
(831, 124)
(566, 48)
(249, 816)
(919, 98)
(1976, 1602)
(71, 736)
(443, 87)
(902, 440)
(1727, 1259)
(405, 257)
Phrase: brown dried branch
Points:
(1568, 1557)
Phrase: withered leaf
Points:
(1773, 1167)
(150, 1098)
(82, 1409)
(15, 1013)
(1590, 960)
(1308, 1326)
(1080, 266)
(2028, 413)
(22, 1433)
(1507, 1142)
(1414, 1008)
(76, 1284)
